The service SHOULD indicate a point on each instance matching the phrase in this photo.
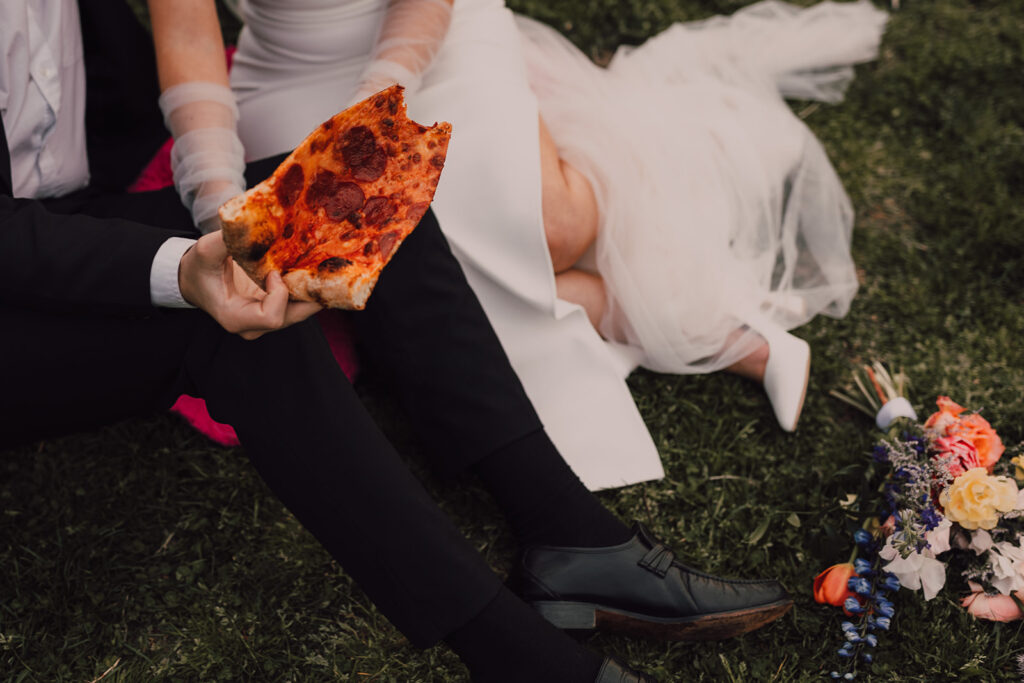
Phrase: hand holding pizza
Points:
(210, 279)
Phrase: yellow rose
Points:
(975, 499)
(1018, 471)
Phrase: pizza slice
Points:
(335, 211)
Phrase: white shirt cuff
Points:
(163, 276)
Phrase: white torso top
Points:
(306, 31)
(42, 96)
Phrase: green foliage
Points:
(143, 545)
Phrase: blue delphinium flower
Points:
(884, 607)
(930, 517)
(850, 631)
(870, 609)
(890, 582)
(879, 622)
(853, 606)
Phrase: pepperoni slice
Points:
(372, 168)
(387, 242)
(415, 211)
(336, 197)
(361, 153)
(377, 210)
(348, 198)
(290, 187)
(321, 188)
(357, 145)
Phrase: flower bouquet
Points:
(948, 509)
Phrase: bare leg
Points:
(570, 224)
(583, 288)
(568, 205)
(751, 366)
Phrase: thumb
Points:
(212, 249)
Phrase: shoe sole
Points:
(803, 394)
(584, 616)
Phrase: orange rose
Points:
(948, 414)
(979, 432)
(831, 586)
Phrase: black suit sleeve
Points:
(72, 262)
(58, 262)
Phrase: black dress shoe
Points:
(613, 672)
(638, 587)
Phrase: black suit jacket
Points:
(52, 255)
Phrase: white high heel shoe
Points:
(786, 374)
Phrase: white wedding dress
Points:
(720, 211)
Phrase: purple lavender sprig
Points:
(910, 489)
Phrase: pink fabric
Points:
(157, 175)
(195, 413)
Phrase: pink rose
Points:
(956, 452)
(979, 432)
(997, 607)
(976, 429)
(959, 455)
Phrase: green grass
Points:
(144, 545)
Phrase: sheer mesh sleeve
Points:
(410, 37)
(207, 158)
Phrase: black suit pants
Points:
(298, 418)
